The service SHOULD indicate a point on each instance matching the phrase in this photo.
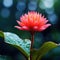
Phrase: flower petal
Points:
(44, 27)
(18, 22)
(32, 21)
(25, 28)
(35, 28)
(18, 27)
(46, 21)
(47, 25)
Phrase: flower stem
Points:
(32, 42)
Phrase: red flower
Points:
(32, 22)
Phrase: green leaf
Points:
(46, 47)
(1, 34)
(14, 40)
(34, 54)
(2, 57)
(28, 58)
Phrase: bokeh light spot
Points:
(46, 4)
(7, 3)
(5, 12)
(52, 18)
(49, 11)
(32, 5)
(21, 6)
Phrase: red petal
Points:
(18, 22)
(47, 25)
(18, 27)
(25, 28)
(35, 28)
(44, 27)
(45, 21)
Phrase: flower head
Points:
(32, 22)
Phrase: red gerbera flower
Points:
(32, 22)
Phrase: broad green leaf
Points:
(34, 54)
(21, 45)
(2, 57)
(1, 34)
(28, 58)
(46, 47)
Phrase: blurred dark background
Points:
(11, 10)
